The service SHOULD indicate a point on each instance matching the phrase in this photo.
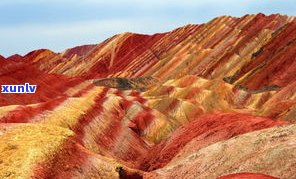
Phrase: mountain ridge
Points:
(154, 33)
(111, 64)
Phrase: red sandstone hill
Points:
(215, 100)
(1, 57)
(15, 58)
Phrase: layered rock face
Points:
(215, 100)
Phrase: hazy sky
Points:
(26, 25)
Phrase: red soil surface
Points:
(49, 86)
(247, 176)
(205, 130)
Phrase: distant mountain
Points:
(226, 47)
(15, 57)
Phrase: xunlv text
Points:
(27, 88)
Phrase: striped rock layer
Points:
(215, 100)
